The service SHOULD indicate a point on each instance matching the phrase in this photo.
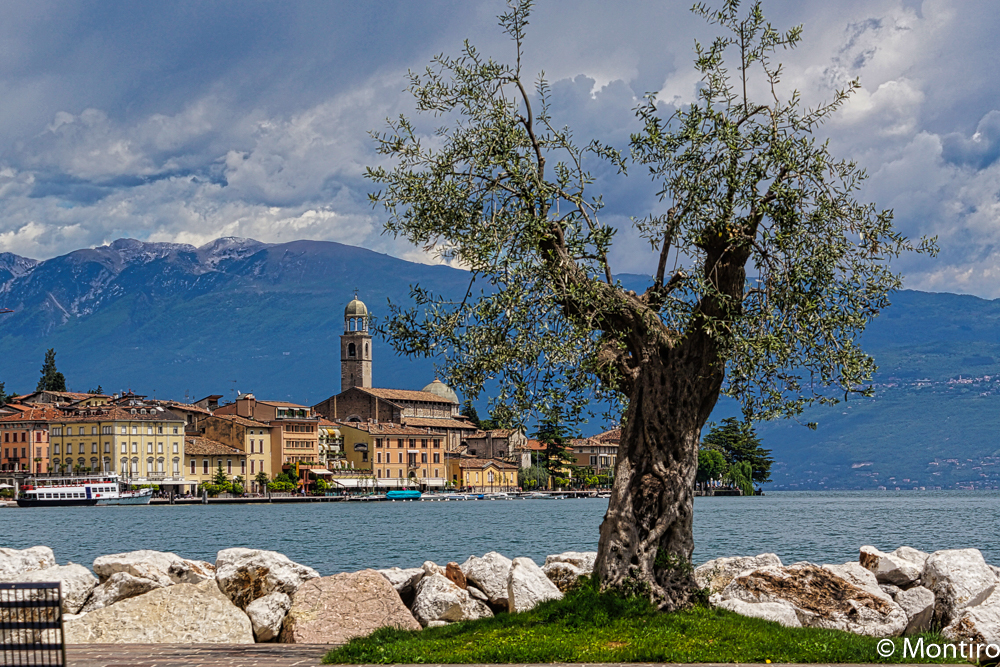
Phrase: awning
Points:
(320, 471)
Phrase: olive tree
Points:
(504, 190)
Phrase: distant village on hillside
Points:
(363, 438)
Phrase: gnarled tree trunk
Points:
(646, 537)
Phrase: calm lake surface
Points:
(823, 527)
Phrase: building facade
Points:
(204, 456)
(143, 444)
(251, 437)
(24, 436)
(355, 347)
(294, 429)
(397, 456)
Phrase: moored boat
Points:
(403, 495)
(80, 491)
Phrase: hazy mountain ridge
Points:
(238, 314)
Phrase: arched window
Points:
(366, 350)
(351, 350)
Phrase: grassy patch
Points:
(590, 627)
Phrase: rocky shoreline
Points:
(253, 595)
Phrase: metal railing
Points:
(31, 624)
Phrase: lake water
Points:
(824, 527)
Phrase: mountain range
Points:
(181, 322)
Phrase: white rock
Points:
(527, 586)
(769, 611)
(979, 625)
(489, 574)
(583, 560)
(716, 574)
(179, 614)
(77, 583)
(440, 599)
(913, 555)
(821, 599)
(267, 614)
(889, 568)
(563, 575)
(890, 590)
(918, 604)
(18, 561)
(120, 586)
(403, 579)
(437, 624)
(478, 594)
(163, 567)
(430, 567)
(959, 578)
(860, 577)
(247, 574)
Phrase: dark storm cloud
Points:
(186, 121)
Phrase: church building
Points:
(435, 407)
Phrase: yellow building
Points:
(486, 475)
(251, 437)
(143, 444)
(203, 456)
(294, 429)
(398, 456)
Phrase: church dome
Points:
(442, 390)
(356, 308)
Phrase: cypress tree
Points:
(51, 379)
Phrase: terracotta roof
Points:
(534, 445)
(17, 406)
(386, 428)
(495, 433)
(285, 404)
(34, 414)
(242, 421)
(323, 421)
(118, 413)
(438, 423)
(74, 395)
(612, 436)
(185, 406)
(197, 446)
(485, 463)
(404, 395)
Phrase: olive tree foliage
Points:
(745, 188)
(500, 187)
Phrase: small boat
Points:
(403, 495)
(540, 496)
(80, 491)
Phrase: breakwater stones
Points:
(253, 595)
(882, 594)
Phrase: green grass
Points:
(591, 627)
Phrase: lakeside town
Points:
(363, 439)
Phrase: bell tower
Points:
(355, 347)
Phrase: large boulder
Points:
(779, 612)
(334, 610)
(583, 560)
(959, 578)
(404, 581)
(716, 574)
(267, 614)
(820, 598)
(978, 625)
(527, 586)
(489, 574)
(890, 568)
(247, 574)
(860, 577)
(119, 586)
(918, 604)
(163, 567)
(440, 599)
(455, 575)
(77, 583)
(18, 561)
(178, 614)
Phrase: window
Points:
(204, 467)
(364, 457)
(229, 467)
(175, 430)
(593, 460)
(107, 447)
(55, 450)
(380, 472)
(400, 471)
(253, 464)
(401, 457)
(93, 448)
(243, 466)
(435, 472)
(93, 430)
(159, 448)
(437, 459)
(378, 458)
(437, 444)
(124, 448)
(106, 430)
(69, 448)
(55, 431)
(123, 430)
(175, 447)
(135, 447)
(378, 443)
(423, 444)
(192, 466)
(149, 447)
(159, 429)
(352, 351)
(423, 458)
(177, 467)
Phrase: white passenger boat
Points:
(80, 490)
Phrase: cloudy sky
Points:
(186, 121)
